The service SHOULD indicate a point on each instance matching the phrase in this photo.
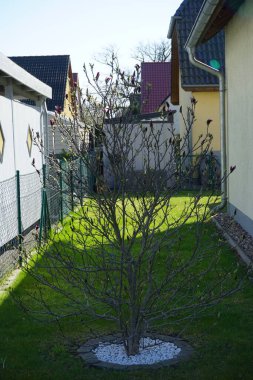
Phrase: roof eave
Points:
(173, 21)
(201, 22)
(212, 18)
(20, 75)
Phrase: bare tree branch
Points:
(152, 51)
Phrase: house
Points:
(188, 82)
(150, 118)
(19, 120)
(155, 85)
(55, 71)
(20, 160)
(236, 17)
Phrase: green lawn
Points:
(222, 338)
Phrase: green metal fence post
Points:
(81, 181)
(61, 193)
(44, 175)
(44, 217)
(20, 238)
(71, 189)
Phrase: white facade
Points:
(16, 120)
(239, 84)
(19, 123)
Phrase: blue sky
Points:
(82, 28)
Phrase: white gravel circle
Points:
(151, 351)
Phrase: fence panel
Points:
(8, 211)
(30, 196)
(53, 188)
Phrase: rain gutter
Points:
(199, 26)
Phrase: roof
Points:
(212, 18)
(75, 77)
(50, 69)
(155, 85)
(213, 50)
(20, 76)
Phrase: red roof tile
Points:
(155, 85)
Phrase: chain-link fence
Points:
(20, 205)
(8, 214)
(66, 184)
(30, 194)
(196, 171)
(30, 204)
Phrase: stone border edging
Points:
(232, 243)
(87, 354)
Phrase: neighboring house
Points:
(155, 85)
(236, 17)
(188, 82)
(56, 71)
(149, 111)
(20, 182)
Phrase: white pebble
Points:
(151, 351)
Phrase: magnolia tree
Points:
(124, 254)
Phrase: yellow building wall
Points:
(207, 107)
(67, 101)
(239, 95)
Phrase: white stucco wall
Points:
(239, 78)
(25, 116)
(132, 141)
(15, 118)
(7, 167)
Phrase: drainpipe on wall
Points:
(201, 65)
(207, 10)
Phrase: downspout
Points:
(195, 62)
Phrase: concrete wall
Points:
(136, 155)
(239, 63)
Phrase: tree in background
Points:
(120, 255)
(152, 51)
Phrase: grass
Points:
(222, 339)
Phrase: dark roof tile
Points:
(50, 69)
(211, 50)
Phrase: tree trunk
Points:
(133, 334)
(132, 343)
